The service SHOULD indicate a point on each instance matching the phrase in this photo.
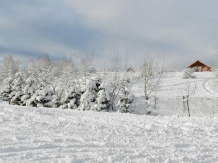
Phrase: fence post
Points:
(155, 101)
(188, 106)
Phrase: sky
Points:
(176, 31)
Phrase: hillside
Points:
(54, 135)
(167, 135)
(169, 99)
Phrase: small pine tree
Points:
(17, 89)
(56, 102)
(71, 99)
(126, 100)
(88, 98)
(6, 89)
(43, 97)
(103, 102)
(70, 88)
(7, 85)
(29, 91)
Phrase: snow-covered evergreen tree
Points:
(103, 102)
(17, 89)
(29, 91)
(71, 99)
(68, 89)
(6, 89)
(43, 96)
(126, 99)
(88, 98)
(56, 101)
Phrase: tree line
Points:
(61, 84)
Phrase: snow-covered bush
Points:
(188, 73)
(17, 89)
(88, 98)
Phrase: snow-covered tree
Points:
(6, 88)
(88, 98)
(34, 67)
(9, 67)
(103, 102)
(126, 99)
(29, 91)
(189, 91)
(114, 79)
(46, 89)
(43, 97)
(188, 73)
(68, 87)
(69, 77)
(17, 89)
(56, 101)
(86, 69)
(151, 78)
(71, 99)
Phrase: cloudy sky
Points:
(181, 31)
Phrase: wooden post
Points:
(155, 101)
(188, 107)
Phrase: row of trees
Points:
(60, 84)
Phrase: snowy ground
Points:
(169, 100)
(173, 85)
(54, 135)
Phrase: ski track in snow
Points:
(205, 86)
(54, 135)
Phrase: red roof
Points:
(197, 64)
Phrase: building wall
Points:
(200, 68)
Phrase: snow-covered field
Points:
(169, 100)
(55, 135)
(173, 85)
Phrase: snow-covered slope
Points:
(54, 135)
(169, 99)
(173, 85)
